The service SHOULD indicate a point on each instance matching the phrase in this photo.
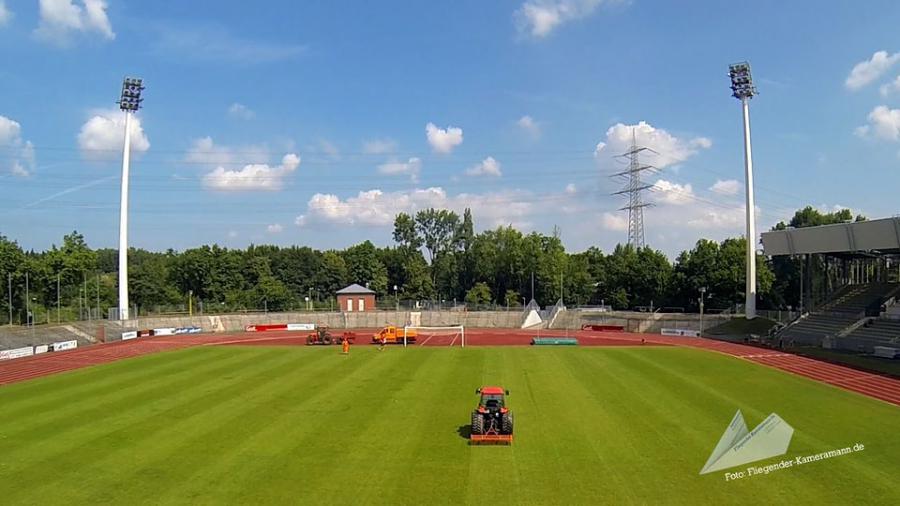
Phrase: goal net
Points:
(449, 335)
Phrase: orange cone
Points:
(346, 347)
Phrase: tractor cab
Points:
(492, 399)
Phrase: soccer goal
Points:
(448, 335)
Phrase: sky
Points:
(314, 123)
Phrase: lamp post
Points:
(129, 103)
(743, 89)
(702, 296)
(27, 304)
(396, 299)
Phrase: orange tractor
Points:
(322, 336)
(394, 335)
(492, 421)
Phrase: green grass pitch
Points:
(263, 425)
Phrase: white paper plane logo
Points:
(739, 446)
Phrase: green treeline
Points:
(436, 256)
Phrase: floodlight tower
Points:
(743, 89)
(129, 103)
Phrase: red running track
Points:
(872, 385)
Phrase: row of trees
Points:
(437, 256)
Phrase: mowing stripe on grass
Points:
(317, 405)
(262, 425)
(103, 411)
(210, 426)
(46, 392)
(97, 446)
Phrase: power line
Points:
(633, 189)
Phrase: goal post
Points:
(451, 334)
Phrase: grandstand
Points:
(860, 281)
(840, 315)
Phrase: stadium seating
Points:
(859, 298)
(816, 326)
(845, 307)
(880, 331)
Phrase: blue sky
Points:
(307, 122)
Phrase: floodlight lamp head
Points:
(130, 100)
(741, 81)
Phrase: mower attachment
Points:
(490, 439)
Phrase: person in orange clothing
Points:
(346, 347)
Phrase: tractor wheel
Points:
(506, 423)
(326, 339)
(477, 423)
(310, 340)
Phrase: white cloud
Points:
(571, 189)
(204, 151)
(727, 187)
(884, 123)
(615, 221)
(241, 111)
(5, 14)
(60, 18)
(329, 148)
(443, 140)
(16, 154)
(274, 228)
(870, 70)
(701, 142)
(529, 126)
(538, 18)
(9, 130)
(18, 170)
(706, 218)
(379, 146)
(487, 167)
(232, 234)
(890, 88)
(101, 136)
(671, 150)
(667, 192)
(378, 208)
(213, 43)
(412, 167)
(252, 177)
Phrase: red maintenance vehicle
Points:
(323, 337)
(492, 421)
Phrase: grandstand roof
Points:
(873, 236)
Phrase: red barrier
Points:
(603, 328)
(263, 328)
